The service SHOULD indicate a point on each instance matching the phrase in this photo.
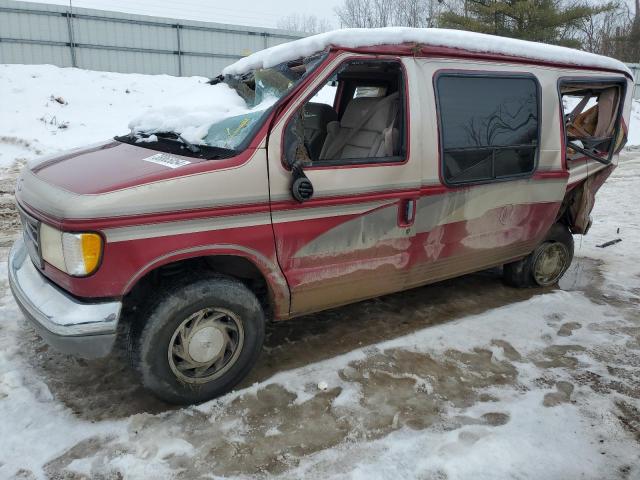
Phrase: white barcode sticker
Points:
(167, 160)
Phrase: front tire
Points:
(546, 264)
(199, 340)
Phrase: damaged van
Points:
(326, 171)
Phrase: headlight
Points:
(77, 254)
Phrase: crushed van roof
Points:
(436, 37)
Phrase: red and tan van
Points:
(365, 162)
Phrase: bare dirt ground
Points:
(271, 429)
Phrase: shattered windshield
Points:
(237, 105)
(260, 90)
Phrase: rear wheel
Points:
(200, 339)
(546, 264)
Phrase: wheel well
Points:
(233, 266)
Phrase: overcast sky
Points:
(265, 13)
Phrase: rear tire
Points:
(546, 264)
(199, 339)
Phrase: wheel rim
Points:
(205, 345)
(550, 263)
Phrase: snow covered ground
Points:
(463, 379)
(634, 130)
(46, 109)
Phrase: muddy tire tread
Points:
(519, 274)
(154, 318)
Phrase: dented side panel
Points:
(361, 252)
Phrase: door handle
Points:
(407, 212)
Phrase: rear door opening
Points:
(592, 118)
(593, 130)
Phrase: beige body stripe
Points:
(432, 210)
(164, 229)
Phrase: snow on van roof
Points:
(437, 37)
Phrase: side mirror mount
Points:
(301, 186)
(302, 189)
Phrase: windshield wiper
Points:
(172, 143)
(174, 137)
(190, 146)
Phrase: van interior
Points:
(592, 113)
(356, 116)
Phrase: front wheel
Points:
(199, 340)
(546, 264)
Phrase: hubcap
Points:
(550, 263)
(205, 345)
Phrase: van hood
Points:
(108, 166)
(114, 179)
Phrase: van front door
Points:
(352, 239)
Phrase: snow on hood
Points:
(194, 114)
(437, 37)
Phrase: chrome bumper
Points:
(83, 329)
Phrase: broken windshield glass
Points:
(261, 90)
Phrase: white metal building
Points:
(39, 33)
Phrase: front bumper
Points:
(79, 328)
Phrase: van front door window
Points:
(356, 117)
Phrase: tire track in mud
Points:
(271, 430)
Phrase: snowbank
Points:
(90, 107)
(634, 124)
(437, 37)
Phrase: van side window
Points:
(357, 117)
(489, 126)
(592, 111)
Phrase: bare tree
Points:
(359, 14)
(304, 23)
(385, 13)
(615, 33)
(416, 13)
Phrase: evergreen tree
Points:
(548, 21)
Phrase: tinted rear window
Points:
(489, 126)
